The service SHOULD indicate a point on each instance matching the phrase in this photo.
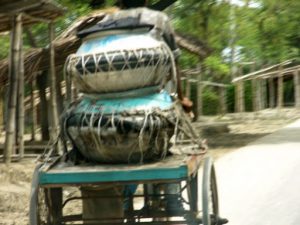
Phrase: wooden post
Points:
(199, 96)
(222, 93)
(33, 110)
(16, 35)
(67, 78)
(59, 95)
(280, 92)
(2, 92)
(263, 87)
(54, 130)
(187, 88)
(239, 97)
(6, 104)
(253, 91)
(297, 88)
(20, 100)
(257, 95)
(41, 81)
(271, 93)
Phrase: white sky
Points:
(252, 4)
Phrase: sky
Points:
(252, 4)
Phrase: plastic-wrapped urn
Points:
(112, 62)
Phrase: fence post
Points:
(239, 97)
(15, 47)
(297, 88)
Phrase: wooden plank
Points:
(34, 18)
(252, 75)
(192, 45)
(113, 176)
(36, 10)
(17, 5)
(16, 158)
(275, 73)
(173, 167)
(214, 84)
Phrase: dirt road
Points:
(260, 183)
(15, 180)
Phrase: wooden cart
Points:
(145, 206)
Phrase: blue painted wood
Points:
(76, 177)
(147, 102)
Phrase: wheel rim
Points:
(210, 207)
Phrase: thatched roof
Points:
(192, 44)
(67, 43)
(33, 11)
(37, 59)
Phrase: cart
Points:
(145, 206)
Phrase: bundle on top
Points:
(126, 112)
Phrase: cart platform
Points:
(170, 168)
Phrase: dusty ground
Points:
(228, 133)
(14, 192)
(224, 135)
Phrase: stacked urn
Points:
(125, 112)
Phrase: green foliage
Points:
(217, 67)
(75, 9)
(267, 34)
(230, 94)
(210, 102)
(230, 100)
(187, 60)
(289, 97)
(4, 45)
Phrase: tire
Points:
(210, 206)
(49, 206)
(194, 194)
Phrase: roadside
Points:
(229, 133)
(224, 135)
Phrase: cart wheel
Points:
(49, 206)
(210, 206)
(193, 195)
(42, 207)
